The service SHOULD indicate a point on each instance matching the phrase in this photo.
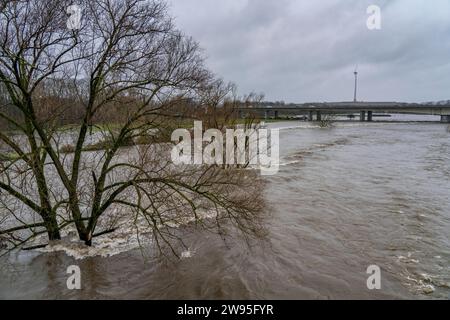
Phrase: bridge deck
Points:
(333, 107)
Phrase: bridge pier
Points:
(266, 114)
(362, 116)
(310, 116)
(319, 116)
(276, 114)
(445, 118)
(369, 115)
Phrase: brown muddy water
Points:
(345, 198)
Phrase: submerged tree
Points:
(83, 108)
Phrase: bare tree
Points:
(119, 76)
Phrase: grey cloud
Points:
(298, 50)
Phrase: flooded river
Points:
(346, 197)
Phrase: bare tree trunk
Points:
(86, 237)
(53, 230)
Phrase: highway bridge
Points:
(365, 110)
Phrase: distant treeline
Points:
(59, 102)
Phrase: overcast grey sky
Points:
(307, 50)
